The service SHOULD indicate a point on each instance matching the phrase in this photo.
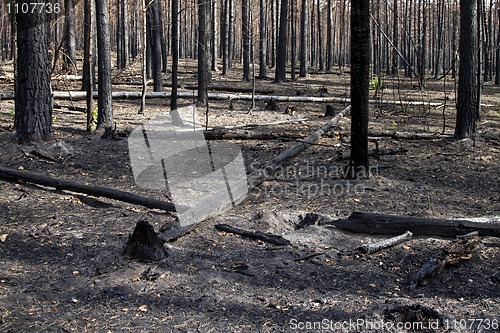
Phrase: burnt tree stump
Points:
(144, 244)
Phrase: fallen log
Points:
(80, 95)
(233, 89)
(371, 223)
(246, 135)
(259, 176)
(96, 191)
(406, 136)
(263, 236)
(257, 125)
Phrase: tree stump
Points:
(330, 111)
(144, 244)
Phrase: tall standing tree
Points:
(360, 74)
(262, 39)
(33, 98)
(245, 33)
(70, 38)
(467, 97)
(202, 54)
(153, 18)
(282, 42)
(105, 102)
(303, 39)
(87, 77)
(497, 74)
(122, 35)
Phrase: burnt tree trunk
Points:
(303, 39)
(245, 32)
(262, 39)
(202, 53)
(33, 99)
(360, 73)
(70, 38)
(105, 102)
(282, 43)
(467, 99)
(155, 44)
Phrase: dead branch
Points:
(96, 191)
(383, 244)
(259, 176)
(263, 236)
(381, 224)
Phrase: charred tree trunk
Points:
(155, 44)
(105, 102)
(303, 39)
(360, 74)
(70, 38)
(175, 52)
(87, 84)
(262, 39)
(33, 104)
(202, 54)
(293, 29)
(282, 41)
(245, 34)
(467, 99)
(320, 38)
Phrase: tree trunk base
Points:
(144, 244)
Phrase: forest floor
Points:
(61, 252)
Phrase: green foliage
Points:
(394, 124)
(95, 112)
(13, 114)
(376, 83)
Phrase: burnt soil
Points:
(61, 252)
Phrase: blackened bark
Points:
(262, 39)
(105, 102)
(293, 29)
(303, 39)
(360, 73)
(225, 37)
(202, 53)
(320, 37)
(282, 41)
(329, 38)
(155, 39)
(70, 38)
(33, 99)
(245, 32)
(497, 74)
(122, 38)
(175, 52)
(87, 84)
(467, 98)
(163, 41)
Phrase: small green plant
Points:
(394, 124)
(95, 112)
(13, 114)
(376, 83)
